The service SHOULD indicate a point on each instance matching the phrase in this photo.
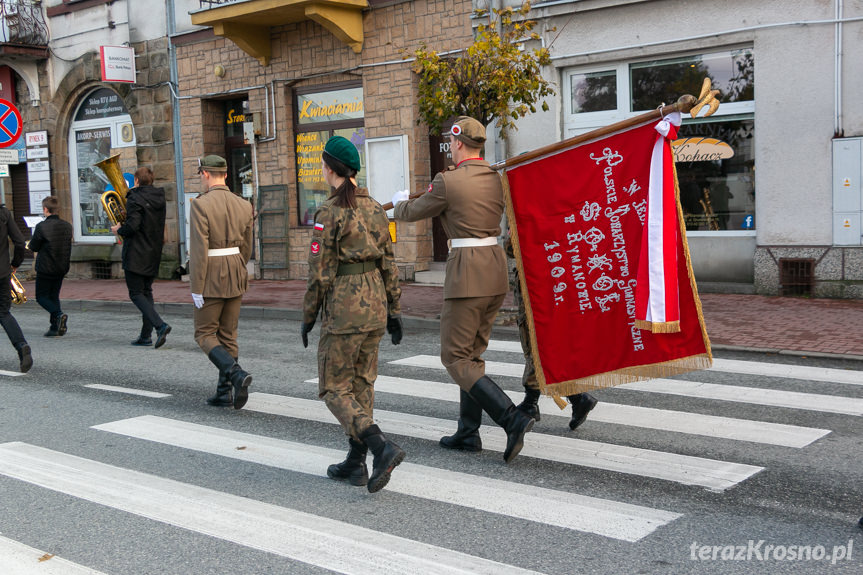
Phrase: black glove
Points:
(394, 328)
(304, 332)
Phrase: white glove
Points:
(401, 196)
(198, 299)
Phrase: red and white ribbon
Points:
(657, 301)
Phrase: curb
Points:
(413, 322)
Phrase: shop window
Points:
(320, 115)
(101, 128)
(715, 157)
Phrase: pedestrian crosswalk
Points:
(340, 545)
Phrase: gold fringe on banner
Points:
(630, 374)
(658, 326)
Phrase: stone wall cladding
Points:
(838, 270)
(305, 54)
(149, 104)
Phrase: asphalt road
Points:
(169, 485)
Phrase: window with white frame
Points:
(715, 156)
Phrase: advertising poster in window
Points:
(92, 146)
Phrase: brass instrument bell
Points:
(18, 294)
(114, 201)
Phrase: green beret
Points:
(469, 131)
(213, 163)
(344, 151)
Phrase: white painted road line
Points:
(491, 367)
(688, 470)
(757, 396)
(644, 417)
(831, 375)
(808, 373)
(766, 397)
(129, 390)
(11, 373)
(312, 539)
(19, 559)
(560, 509)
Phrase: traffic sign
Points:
(11, 124)
(8, 156)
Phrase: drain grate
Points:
(796, 276)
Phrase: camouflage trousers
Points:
(528, 378)
(347, 369)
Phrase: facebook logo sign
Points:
(748, 222)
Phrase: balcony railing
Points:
(22, 23)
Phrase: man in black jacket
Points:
(143, 235)
(52, 240)
(9, 230)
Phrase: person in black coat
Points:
(143, 235)
(9, 230)
(52, 242)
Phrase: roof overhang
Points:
(248, 23)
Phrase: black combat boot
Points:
(52, 330)
(530, 403)
(469, 419)
(240, 379)
(582, 403)
(25, 358)
(387, 456)
(504, 412)
(353, 468)
(222, 398)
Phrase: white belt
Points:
(472, 242)
(224, 251)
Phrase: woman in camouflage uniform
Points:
(353, 279)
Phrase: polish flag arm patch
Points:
(319, 227)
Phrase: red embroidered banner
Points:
(577, 220)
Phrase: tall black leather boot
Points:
(222, 398)
(52, 330)
(530, 403)
(469, 419)
(582, 403)
(504, 412)
(353, 468)
(239, 379)
(387, 456)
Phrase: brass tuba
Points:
(114, 201)
(18, 296)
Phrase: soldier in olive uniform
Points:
(353, 281)
(581, 403)
(468, 197)
(220, 247)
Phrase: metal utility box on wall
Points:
(847, 176)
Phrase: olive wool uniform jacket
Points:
(469, 200)
(220, 219)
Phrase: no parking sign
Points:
(10, 123)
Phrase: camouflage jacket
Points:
(357, 302)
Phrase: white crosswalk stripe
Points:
(304, 537)
(571, 511)
(688, 470)
(19, 559)
(645, 417)
(809, 373)
(770, 397)
(129, 390)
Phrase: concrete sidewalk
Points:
(748, 322)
